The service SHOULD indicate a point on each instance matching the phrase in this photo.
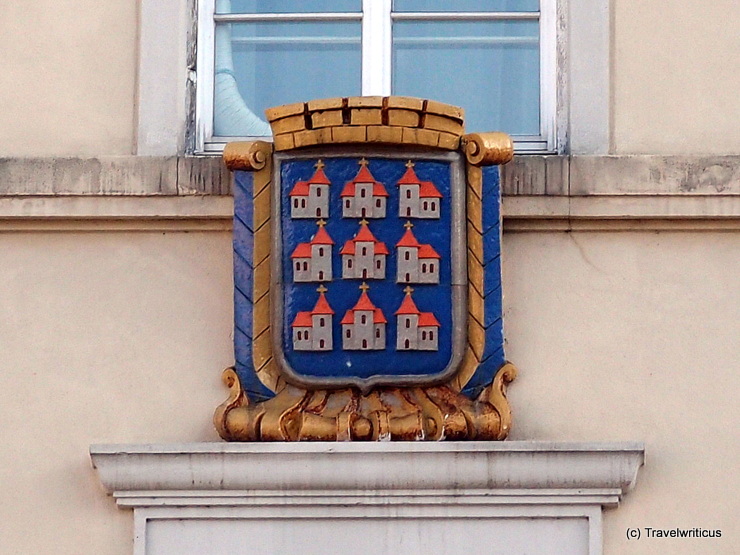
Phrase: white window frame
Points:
(578, 67)
(377, 19)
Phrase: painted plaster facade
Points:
(620, 267)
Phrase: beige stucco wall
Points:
(121, 337)
(69, 70)
(675, 89)
(72, 70)
(104, 337)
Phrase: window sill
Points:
(540, 193)
(530, 175)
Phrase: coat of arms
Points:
(367, 277)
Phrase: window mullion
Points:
(376, 47)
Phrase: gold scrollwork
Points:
(248, 156)
(487, 149)
(386, 413)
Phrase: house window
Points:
(424, 336)
(431, 335)
(300, 335)
(254, 55)
(322, 344)
(305, 266)
(377, 203)
(377, 264)
(295, 202)
(362, 193)
(426, 205)
(408, 322)
(348, 333)
(298, 266)
(408, 193)
(303, 203)
(322, 322)
(406, 255)
(364, 343)
(346, 203)
(423, 268)
(318, 191)
(321, 251)
(363, 319)
(377, 333)
(364, 251)
(349, 263)
(431, 268)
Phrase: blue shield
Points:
(368, 268)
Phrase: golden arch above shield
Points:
(367, 277)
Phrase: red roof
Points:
(321, 237)
(319, 178)
(322, 306)
(302, 320)
(428, 190)
(364, 303)
(364, 235)
(428, 319)
(408, 240)
(409, 178)
(300, 189)
(427, 251)
(364, 176)
(409, 307)
(303, 250)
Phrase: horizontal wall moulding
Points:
(115, 175)
(521, 213)
(602, 472)
(525, 175)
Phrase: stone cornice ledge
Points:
(248, 474)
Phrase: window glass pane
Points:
(490, 68)
(287, 6)
(466, 5)
(274, 63)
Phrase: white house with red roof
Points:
(416, 262)
(310, 199)
(416, 198)
(312, 261)
(363, 326)
(364, 196)
(417, 330)
(312, 329)
(363, 256)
